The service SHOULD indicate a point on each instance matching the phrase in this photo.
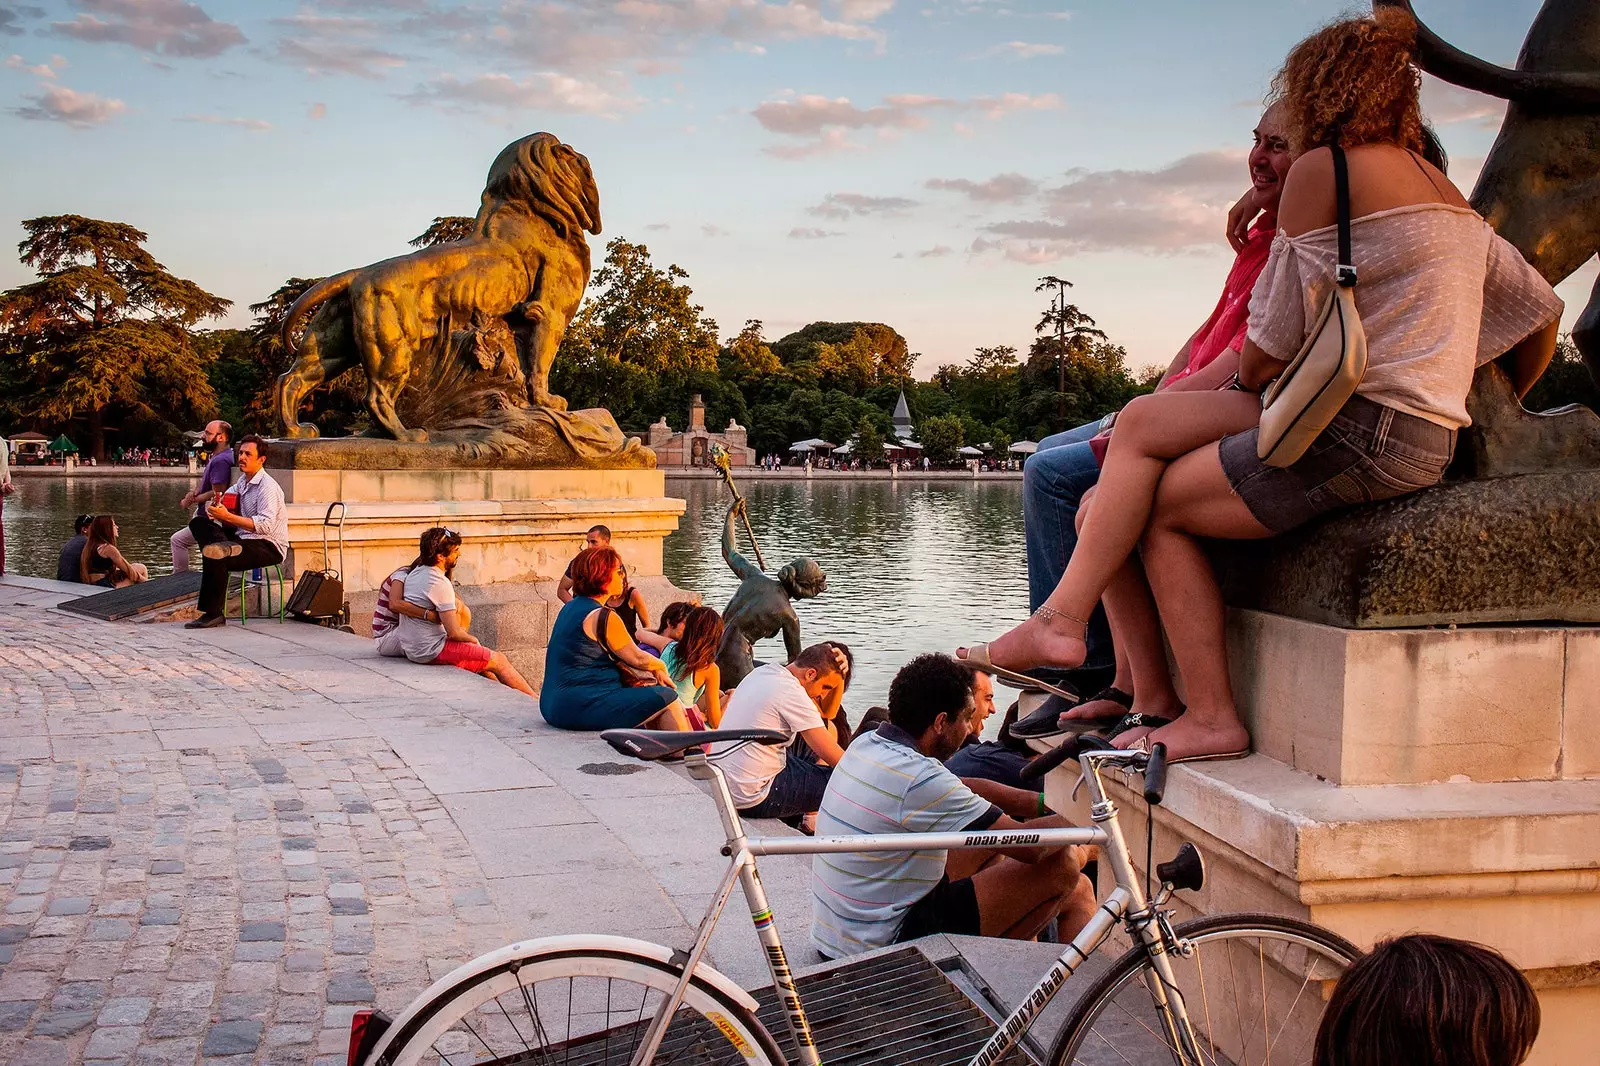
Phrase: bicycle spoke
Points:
(1205, 1002)
(1107, 1040)
(1237, 1017)
(1266, 1037)
(538, 1022)
(1305, 984)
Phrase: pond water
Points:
(912, 566)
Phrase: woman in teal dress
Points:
(582, 686)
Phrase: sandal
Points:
(1143, 744)
(1046, 721)
(977, 657)
(1135, 720)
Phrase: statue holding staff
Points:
(760, 607)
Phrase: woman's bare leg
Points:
(1150, 432)
(1195, 500)
(669, 717)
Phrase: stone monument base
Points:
(519, 528)
(1414, 780)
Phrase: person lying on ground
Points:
(439, 634)
(596, 537)
(214, 479)
(1428, 1000)
(787, 780)
(1439, 294)
(1056, 477)
(894, 781)
(672, 619)
(101, 563)
(691, 662)
(67, 565)
(592, 671)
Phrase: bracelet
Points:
(1042, 807)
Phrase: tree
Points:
(869, 442)
(444, 229)
(104, 328)
(874, 350)
(1565, 381)
(747, 356)
(941, 437)
(1074, 332)
(637, 313)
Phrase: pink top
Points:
(1229, 320)
(1439, 292)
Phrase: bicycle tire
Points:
(1132, 974)
(719, 1030)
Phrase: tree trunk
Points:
(97, 434)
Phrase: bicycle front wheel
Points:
(1254, 987)
(579, 1007)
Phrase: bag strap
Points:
(600, 634)
(1346, 272)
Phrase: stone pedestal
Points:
(1408, 780)
(519, 530)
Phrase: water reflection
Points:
(912, 566)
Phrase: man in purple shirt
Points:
(217, 475)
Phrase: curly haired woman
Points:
(1439, 295)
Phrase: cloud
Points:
(938, 251)
(57, 103)
(842, 205)
(1000, 189)
(1179, 207)
(322, 45)
(659, 227)
(827, 120)
(11, 16)
(254, 125)
(317, 110)
(711, 230)
(166, 27)
(1445, 105)
(537, 92)
(1024, 50)
(38, 70)
(812, 233)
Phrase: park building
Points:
(692, 447)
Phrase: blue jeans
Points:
(1054, 481)
(796, 790)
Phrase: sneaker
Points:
(222, 549)
(206, 621)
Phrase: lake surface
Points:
(912, 566)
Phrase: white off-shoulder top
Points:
(1439, 293)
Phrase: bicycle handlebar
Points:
(1094, 750)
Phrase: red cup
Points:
(230, 500)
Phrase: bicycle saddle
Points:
(650, 744)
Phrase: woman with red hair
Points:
(590, 653)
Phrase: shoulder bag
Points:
(1323, 375)
(630, 676)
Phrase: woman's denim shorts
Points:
(1369, 452)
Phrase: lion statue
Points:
(526, 263)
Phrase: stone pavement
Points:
(215, 846)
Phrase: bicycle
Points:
(603, 999)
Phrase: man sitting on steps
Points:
(895, 781)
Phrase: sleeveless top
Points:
(573, 659)
(625, 611)
(688, 691)
(1440, 294)
(98, 565)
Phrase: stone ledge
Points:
(1511, 549)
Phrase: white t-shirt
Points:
(769, 697)
(428, 588)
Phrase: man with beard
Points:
(440, 635)
(895, 781)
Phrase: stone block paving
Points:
(216, 903)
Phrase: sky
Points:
(915, 162)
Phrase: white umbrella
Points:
(808, 445)
(845, 449)
(970, 450)
(910, 444)
(1024, 447)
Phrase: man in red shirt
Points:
(1066, 466)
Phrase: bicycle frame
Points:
(1125, 903)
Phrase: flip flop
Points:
(1046, 720)
(978, 657)
(1135, 720)
(1142, 744)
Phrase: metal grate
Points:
(895, 1008)
(115, 604)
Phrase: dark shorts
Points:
(797, 789)
(952, 907)
(1369, 452)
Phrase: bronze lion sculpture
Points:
(526, 262)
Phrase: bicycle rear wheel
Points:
(1254, 985)
(581, 1007)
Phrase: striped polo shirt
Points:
(884, 785)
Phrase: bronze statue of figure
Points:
(760, 607)
(523, 270)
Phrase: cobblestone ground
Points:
(226, 902)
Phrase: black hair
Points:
(81, 523)
(1433, 149)
(434, 542)
(253, 438)
(604, 531)
(928, 686)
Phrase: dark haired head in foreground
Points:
(1425, 1000)
(928, 687)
